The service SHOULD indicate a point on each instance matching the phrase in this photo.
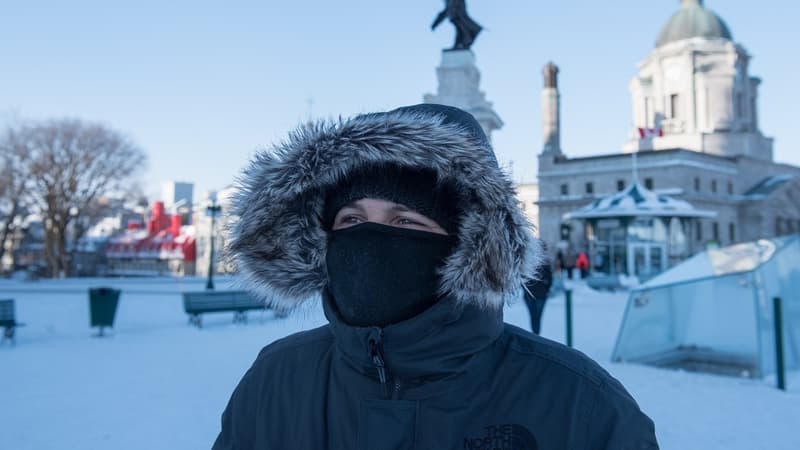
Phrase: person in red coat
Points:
(582, 264)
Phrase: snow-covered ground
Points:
(158, 383)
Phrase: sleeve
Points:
(617, 423)
(239, 418)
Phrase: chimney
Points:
(175, 226)
(551, 115)
(158, 221)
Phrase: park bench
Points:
(7, 320)
(239, 302)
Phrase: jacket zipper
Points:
(376, 353)
(375, 344)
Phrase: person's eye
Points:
(350, 219)
(407, 221)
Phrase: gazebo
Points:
(637, 232)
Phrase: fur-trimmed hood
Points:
(278, 242)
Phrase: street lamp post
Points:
(212, 210)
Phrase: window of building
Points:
(730, 188)
(697, 184)
(699, 230)
(778, 226)
(732, 232)
(715, 231)
(648, 183)
(565, 189)
(714, 186)
(590, 188)
(674, 105)
(620, 185)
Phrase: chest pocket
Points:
(387, 425)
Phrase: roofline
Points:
(684, 215)
(643, 154)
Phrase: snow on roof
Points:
(31, 218)
(767, 186)
(636, 200)
(105, 228)
(130, 236)
(736, 258)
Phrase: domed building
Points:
(695, 138)
(694, 91)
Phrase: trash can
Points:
(103, 307)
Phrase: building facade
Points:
(696, 137)
(178, 199)
(528, 196)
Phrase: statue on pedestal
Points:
(466, 28)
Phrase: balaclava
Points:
(378, 274)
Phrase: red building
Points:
(162, 246)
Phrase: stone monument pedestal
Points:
(459, 81)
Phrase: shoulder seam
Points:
(586, 374)
(285, 344)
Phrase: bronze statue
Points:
(466, 28)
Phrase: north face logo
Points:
(503, 437)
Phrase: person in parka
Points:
(404, 226)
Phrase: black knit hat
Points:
(414, 188)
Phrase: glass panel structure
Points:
(714, 312)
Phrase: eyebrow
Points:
(403, 208)
(398, 207)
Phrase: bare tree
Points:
(14, 181)
(72, 164)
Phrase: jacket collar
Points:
(437, 343)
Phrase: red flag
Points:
(650, 132)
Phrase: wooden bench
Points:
(239, 302)
(7, 320)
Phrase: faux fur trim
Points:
(278, 242)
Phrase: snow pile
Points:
(158, 383)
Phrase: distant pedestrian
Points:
(569, 261)
(582, 264)
(535, 294)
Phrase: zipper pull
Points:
(380, 365)
(396, 393)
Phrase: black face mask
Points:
(379, 275)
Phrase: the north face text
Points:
(503, 437)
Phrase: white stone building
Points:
(696, 136)
(528, 196)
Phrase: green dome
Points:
(693, 20)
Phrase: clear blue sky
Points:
(201, 85)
